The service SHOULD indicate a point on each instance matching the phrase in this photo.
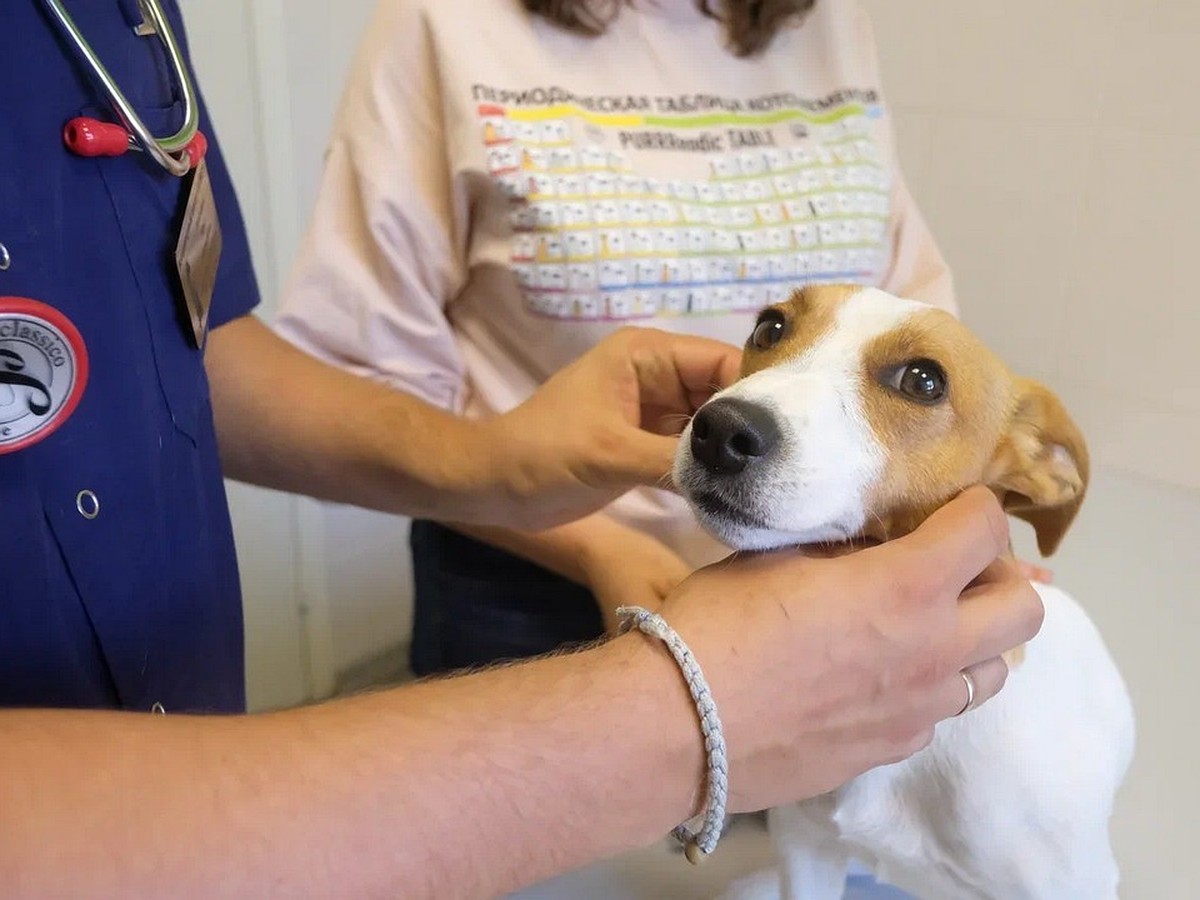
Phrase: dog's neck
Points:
(890, 525)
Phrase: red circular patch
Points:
(43, 371)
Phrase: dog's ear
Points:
(1040, 470)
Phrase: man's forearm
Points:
(285, 420)
(464, 787)
(591, 432)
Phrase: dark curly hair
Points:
(750, 25)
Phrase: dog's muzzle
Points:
(730, 435)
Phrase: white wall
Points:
(327, 588)
(1052, 149)
(366, 553)
(222, 35)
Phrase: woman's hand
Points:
(1034, 572)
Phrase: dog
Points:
(858, 414)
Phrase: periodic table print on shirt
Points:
(637, 215)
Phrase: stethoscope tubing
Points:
(166, 151)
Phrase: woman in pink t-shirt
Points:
(508, 182)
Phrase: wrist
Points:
(609, 545)
(601, 548)
(471, 474)
(421, 460)
(655, 692)
(698, 843)
(506, 475)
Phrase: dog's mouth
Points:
(743, 525)
(718, 507)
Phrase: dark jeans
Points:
(475, 604)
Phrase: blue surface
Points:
(864, 887)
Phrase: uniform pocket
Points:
(139, 518)
(148, 203)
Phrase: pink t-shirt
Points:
(499, 194)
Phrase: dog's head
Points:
(858, 414)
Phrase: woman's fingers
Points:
(1034, 572)
(999, 612)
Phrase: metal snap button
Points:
(88, 504)
(5, 259)
(158, 709)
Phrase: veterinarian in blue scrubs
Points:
(118, 580)
(125, 288)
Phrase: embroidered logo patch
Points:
(43, 371)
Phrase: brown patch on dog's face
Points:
(805, 318)
(935, 445)
(880, 411)
(988, 427)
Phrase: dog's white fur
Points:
(1011, 800)
(815, 491)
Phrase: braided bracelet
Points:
(699, 844)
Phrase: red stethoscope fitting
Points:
(178, 153)
(85, 136)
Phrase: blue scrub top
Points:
(138, 604)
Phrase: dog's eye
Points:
(768, 331)
(922, 380)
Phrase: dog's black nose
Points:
(730, 434)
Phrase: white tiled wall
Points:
(1053, 148)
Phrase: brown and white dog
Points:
(859, 413)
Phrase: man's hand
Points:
(824, 668)
(596, 429)
(604, 424)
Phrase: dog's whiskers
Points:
(676, 417)
(883, 529)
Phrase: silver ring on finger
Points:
(970, 683)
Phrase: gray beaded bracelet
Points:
(703, 842)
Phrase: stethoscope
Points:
(179, 153)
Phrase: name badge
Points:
(198, 251)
